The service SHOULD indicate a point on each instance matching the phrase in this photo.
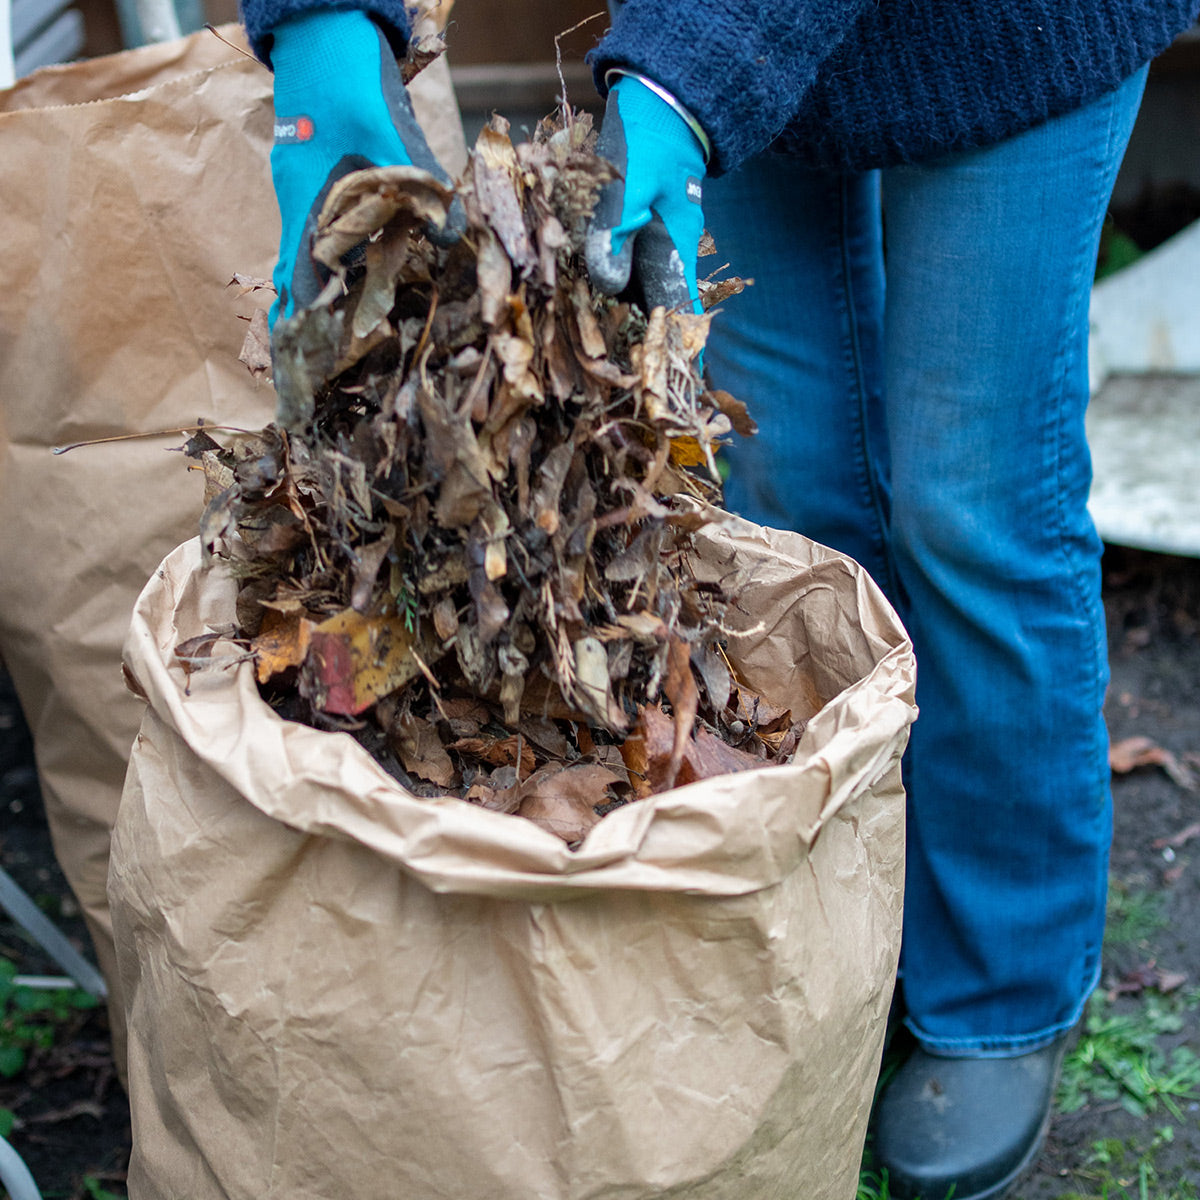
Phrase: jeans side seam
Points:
(1086, 604)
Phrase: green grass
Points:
(1117, 250)
(1134, 916)
(96, 1191)
(29, 1021)
(1127, 1171)
(30, 1018)
(1118, 1058)
(872, 1186)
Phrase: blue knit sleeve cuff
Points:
(261, 16)
(742, 68)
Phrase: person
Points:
(917, 191)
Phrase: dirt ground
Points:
(72, 1120)
(1153, 608)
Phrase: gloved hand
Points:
(649, 222)
(340, 105)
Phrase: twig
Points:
(568, 120)
(423, 667)
(203, 427)
(233, 46)
(424, 338)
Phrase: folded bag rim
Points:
(729, 835)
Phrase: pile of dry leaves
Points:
(467, 540)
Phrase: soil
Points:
(1153, 609)
(72, 1117)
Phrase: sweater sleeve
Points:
(742, 67)
(261, 16)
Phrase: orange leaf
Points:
(282, 642)
(680, 688)
(500, 752)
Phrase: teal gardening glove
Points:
(340, 105)
(648, 223)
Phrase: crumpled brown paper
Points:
(336, 989)
(134, 187)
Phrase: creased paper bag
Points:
(133, 188)
(336, 989)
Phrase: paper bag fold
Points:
(337, 989)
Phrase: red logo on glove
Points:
(289, 130)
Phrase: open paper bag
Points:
(336, 989)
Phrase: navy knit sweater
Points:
(852, 84)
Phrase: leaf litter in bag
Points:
(467, 539)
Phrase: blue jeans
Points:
(921, 408)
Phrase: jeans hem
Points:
(1005, 1045)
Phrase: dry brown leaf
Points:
(249, 283)
(1145, 976)
(420, 749)
(590, 336)
(563, 800)
(191, 652)
(465, 708)
(502, 800)
(367, 562)
(493, 270)
(1185, 835)
(497, 186)
(363, 202)
(590, 689)
(445, 618)
(546, 735)
(679, 686)
(499, 751)
(713, 292)
(649, 750)
(715, 675)
(736, 411)
(256, 347)
(1133, 752)
(423, 48)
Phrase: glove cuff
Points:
(661, 92)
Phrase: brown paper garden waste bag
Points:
(336, 989)
(134, 187)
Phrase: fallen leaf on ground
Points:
(1181, 838)
(1133, 752)
(1145, 976)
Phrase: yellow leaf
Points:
(687, 452)
(360, 658)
